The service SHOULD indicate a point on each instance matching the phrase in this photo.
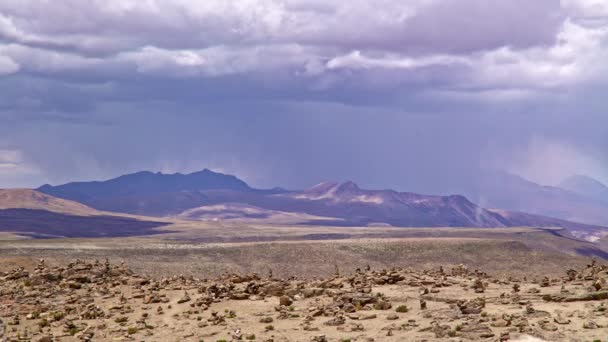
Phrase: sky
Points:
(417, 95)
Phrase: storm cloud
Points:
(414, 95)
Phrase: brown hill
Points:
(31, 213)
(31, 199)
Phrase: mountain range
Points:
(156, 194)
(207, 195)
(577, 199)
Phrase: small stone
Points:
(285, 301)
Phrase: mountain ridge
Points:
(586, 186)
(198, 196)
(503, 190)
(141, 184)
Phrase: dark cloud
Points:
(416, 95)
(104, 27)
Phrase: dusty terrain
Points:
(313, 251)
(102, 301)
(227, 282)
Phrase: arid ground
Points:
(335, 284)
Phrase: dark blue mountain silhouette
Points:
(143, 184)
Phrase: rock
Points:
(471, 307)
(441, 331)
(545, 282)
(571, 274)
(266, 320)
(312, 292)
(560, 320)
(338, 320)
(601, 295)
(500, 323)
(184, 299)
(237, 335)
(367, 316)
(285, 301)
(547, 325)
(478, 286)
(239, 296)
(382, 305)
(392, 317)
(473, 331)
(591, 325)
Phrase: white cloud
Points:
(7, 65)
(10, 156)
(355, 60)
(15, 171)
(576, 57)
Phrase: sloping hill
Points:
(581, 231)
(31, 213)
(31, 199)
(48, 224)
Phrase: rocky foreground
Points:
(97, 301)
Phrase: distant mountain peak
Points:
(144, 183)
(347, 187)
(586, 186)
(332, 190)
